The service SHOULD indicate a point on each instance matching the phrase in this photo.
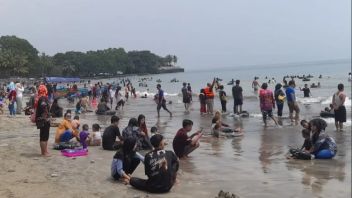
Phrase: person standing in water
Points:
(209, 94)
(223, 98)
(291, 101)
(267, 103)
(280, 100)
(160, 100)
(306, 91)
(255, 85)
(237, 97)
(186, 96)
(338, 101)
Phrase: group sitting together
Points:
(317, 144)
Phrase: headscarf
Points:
(11, 86)
(42, 91)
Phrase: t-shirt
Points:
(181, 140)
(290, 94)
(160, 180)
(266, 99)
(237, 92)
(185, 94)
(222, 95)
(161, 95)
(109, 136)
(83, 135)
(306, 92)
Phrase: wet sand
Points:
(250, 166)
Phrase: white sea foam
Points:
(332, 121)
(328, 101)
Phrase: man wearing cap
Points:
(161, 167)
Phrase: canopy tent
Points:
(61, 80)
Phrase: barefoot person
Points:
(160, 166)
(237, 97)
(43, 123)
(291, 101)
(338, 101)
(125, 161)
(209, 95)
(267, 103)
(184, 144)
(160, 100)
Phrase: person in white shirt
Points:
(96, 136)
(19, 96)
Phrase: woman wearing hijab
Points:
(43, 123)
(12, 99)
(125, 161)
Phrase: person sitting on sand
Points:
(323, 146)
(65, 131)
(125, 161)
(110, 133)
(102, 107)
(307, 144)
(217, 126)
(161, 168)
(55, 110)
(84, 137)
(96, 136)
(305, 124)
(184, 144)
(132, 130)
(75, 123)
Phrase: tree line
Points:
(18, 58)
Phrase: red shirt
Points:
(181, 140)
(267, 101)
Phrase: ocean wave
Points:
(328, 101)
(332, 121)
(310, 100)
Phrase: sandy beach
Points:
(250, 166)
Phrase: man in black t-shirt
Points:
(110, 133)
(306, 91)
(161, 167)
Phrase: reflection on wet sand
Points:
(317, 173)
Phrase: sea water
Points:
(255, 164)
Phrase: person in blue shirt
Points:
(291, 101)
(160, 100)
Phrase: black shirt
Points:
(237, 92)
(109, 136)
(306, 92)
(160, 180)
(307, 144)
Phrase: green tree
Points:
(17, 56)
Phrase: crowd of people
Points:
(161, 165)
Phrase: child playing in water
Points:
(305, 124)
(218, 126)
(84, 138)
(307, 142)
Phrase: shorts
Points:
(266, 113)
(238, 101)
(292, 106)
(66, 136)
(44, 133)
(340, 114)
(163, 105)
(186, 100)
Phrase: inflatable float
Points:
(106, 112)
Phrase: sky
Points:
(203, 34)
